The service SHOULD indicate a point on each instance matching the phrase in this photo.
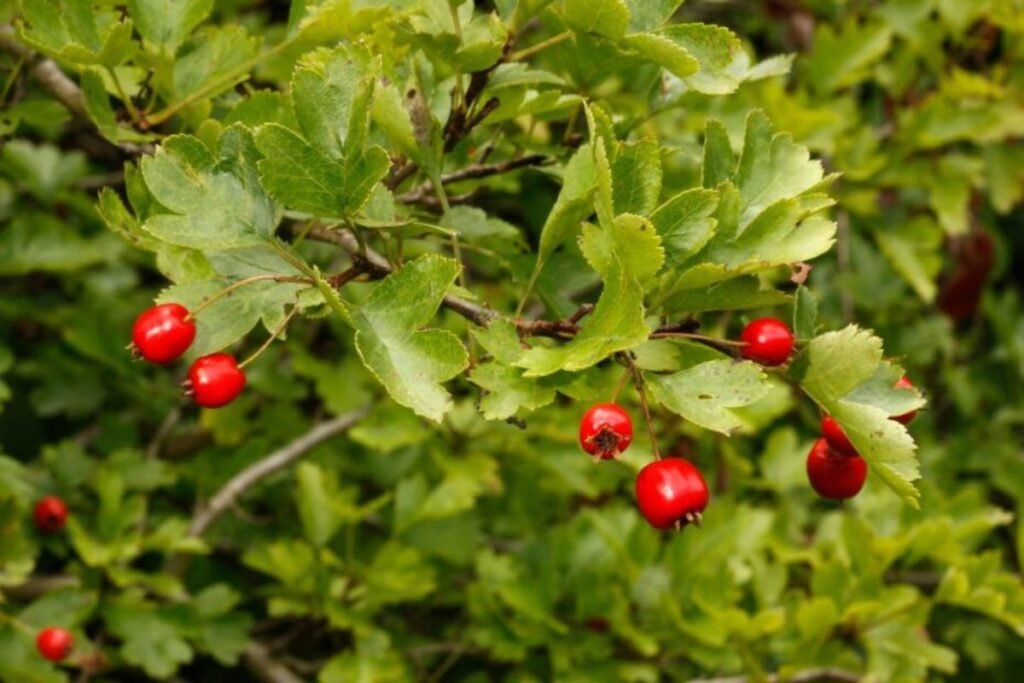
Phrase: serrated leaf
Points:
(715, 48)
(735, 294)
(646, 15)
(636, 177)
(706, 394)
(214, 60)
(843, 372)
(214, 203)
(625, 254)
(574, 203)
(839, 60)
(507, 390)
(608, 18)
(675, 58)
(97, 105)
(167, 23)
(72, 31)
(685, 223)
(719, 162)
(411, 363)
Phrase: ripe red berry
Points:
(905, 418)
(833, 475)
(215, 380)
(50, 515)
(54, 643)
(606, 430)
(162, 333)
(836, 437)
(768, 341)
(671, 491)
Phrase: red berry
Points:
(54, 643)
(768, 341)
(50, 515)
(836, 437)
(671, 491)
(905, 418)
(162, 333)
(606, 430)
(833, 475)
(215, 380)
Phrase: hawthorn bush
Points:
(402, 253)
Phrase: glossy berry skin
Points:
(767, 341)
(905, 418)
(54, 643)
(671, 491)
(162, 333)
(50, 515)
(833, 475)
(836, 437)
(215, 380)
(606, 430)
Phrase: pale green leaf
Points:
(706, 394)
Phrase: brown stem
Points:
(475, 171)
(638, 379)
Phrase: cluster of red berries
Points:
(50, 515)
(671, 492)
(163, 333)
(834, 467)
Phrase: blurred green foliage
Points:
(456, 532)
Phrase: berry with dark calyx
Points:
(905, 418)
(833, 475)
(162, 333)
(50, 515)
(605, 431)
(54, 643)
(767, 341)
(215, 380)
(836, 437)
(671, 492)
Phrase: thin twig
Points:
(166, 426)
(259, 470)
(475, 171)
(379, 267)
(265, 668)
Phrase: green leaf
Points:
(411, 363)
(715, 49)
(685, 223)
(625, 254)
(483, 40)
(300, 176)
(608, 18)
(719, 163)
(646, 15)
(167, 23)
(913, 250)
(97, 105)
(214, 60)
(843, 372)
(636, 177)
(731, 295)
(314, 496)
(150, 637)
(214, 203)
(72, 31)
(840, 60)
(706, 394)
(508, 391)
(805, 313)
(676, 59)
(772, 167)
(574, 203)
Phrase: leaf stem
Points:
(132, 111)
(241, 283)
(227, 81)
(270, 340)
(543, 45)
(638, 379)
